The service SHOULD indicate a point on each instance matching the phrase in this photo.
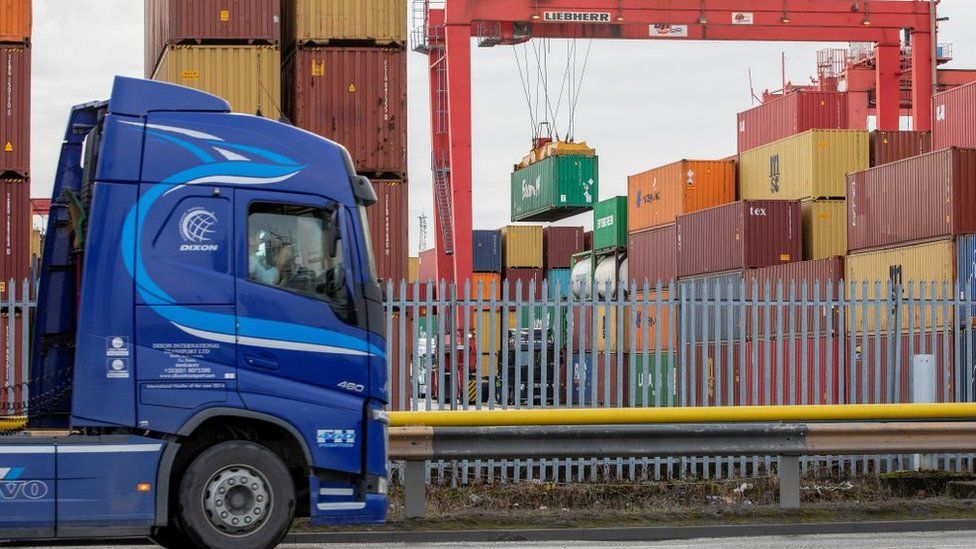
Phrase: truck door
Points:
(299, 346)
(185, 319)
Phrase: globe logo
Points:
(197, 225)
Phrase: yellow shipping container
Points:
(824, 228)
(413, 269)
(248, 77)
(812, 164)
(488, 366)
(522, 246)
(36, 243)
(606, 328)
(928, 262)
(382, 22)
(487, 327)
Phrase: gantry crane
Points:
(445, 28)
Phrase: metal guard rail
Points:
(787, 432)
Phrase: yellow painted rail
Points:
(12, 423)
(730, 414)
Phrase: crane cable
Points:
(570, 87)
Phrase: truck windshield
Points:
(296, 248)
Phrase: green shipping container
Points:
(649, 381)
(555, 188)
(610, 224)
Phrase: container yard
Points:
(664, 323)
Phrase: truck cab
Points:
(208, 356)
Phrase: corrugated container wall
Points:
(555, 188)
(354, 96)
(524, 283)
(560, 282)
(813, 164)
(522, 246)
(966, 268)
(15, 227)
(15, 104)
(334, 22)
(955, 118)
(485, 286)
(921, 263)
(888, 147)
(743, 235)
(610, 224)
(559, 245)
(655, 319)
(15, 20)
(700, 300)
(249, 77)
(487, 251)
(389, 229)
(792, 114)
(921, 198)
(172, 22)
(801, 281)
(657, 196)
(652, 256)
(824, 228)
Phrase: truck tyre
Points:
(236, 495)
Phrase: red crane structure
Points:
(447, 27)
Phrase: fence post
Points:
(414, 490)
(789, 482)
(923, 390)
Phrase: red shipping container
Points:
(559, 244)
(15, 229)
(356, 97)
(652, 256)
(888, 147)
(791, 114)
(921, 198)
(13, 360)
(587, 241)
(526, 277)
(15, 104)
(399, 364)
(171, 22)
(428, 267)
(743, 235)
(955, 118)
(870, 372)
(389, 229)
(821, 273)
(768, 382)
(709, 375)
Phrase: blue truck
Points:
(208, 350)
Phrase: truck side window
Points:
(298, 249)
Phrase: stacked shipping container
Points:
(345, 78)
(15, 212)
(230, 50)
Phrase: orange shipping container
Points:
(658, 196)
(652, 318)
(15, 20)
(486, 286)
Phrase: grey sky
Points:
(642, 104)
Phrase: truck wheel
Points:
(236, 495)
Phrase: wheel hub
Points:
(237, 500)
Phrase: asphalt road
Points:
(902, 540)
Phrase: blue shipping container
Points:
(487, 251)
(559, 281)
(966, 266)
(581, 378)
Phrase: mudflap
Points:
(335, 503)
